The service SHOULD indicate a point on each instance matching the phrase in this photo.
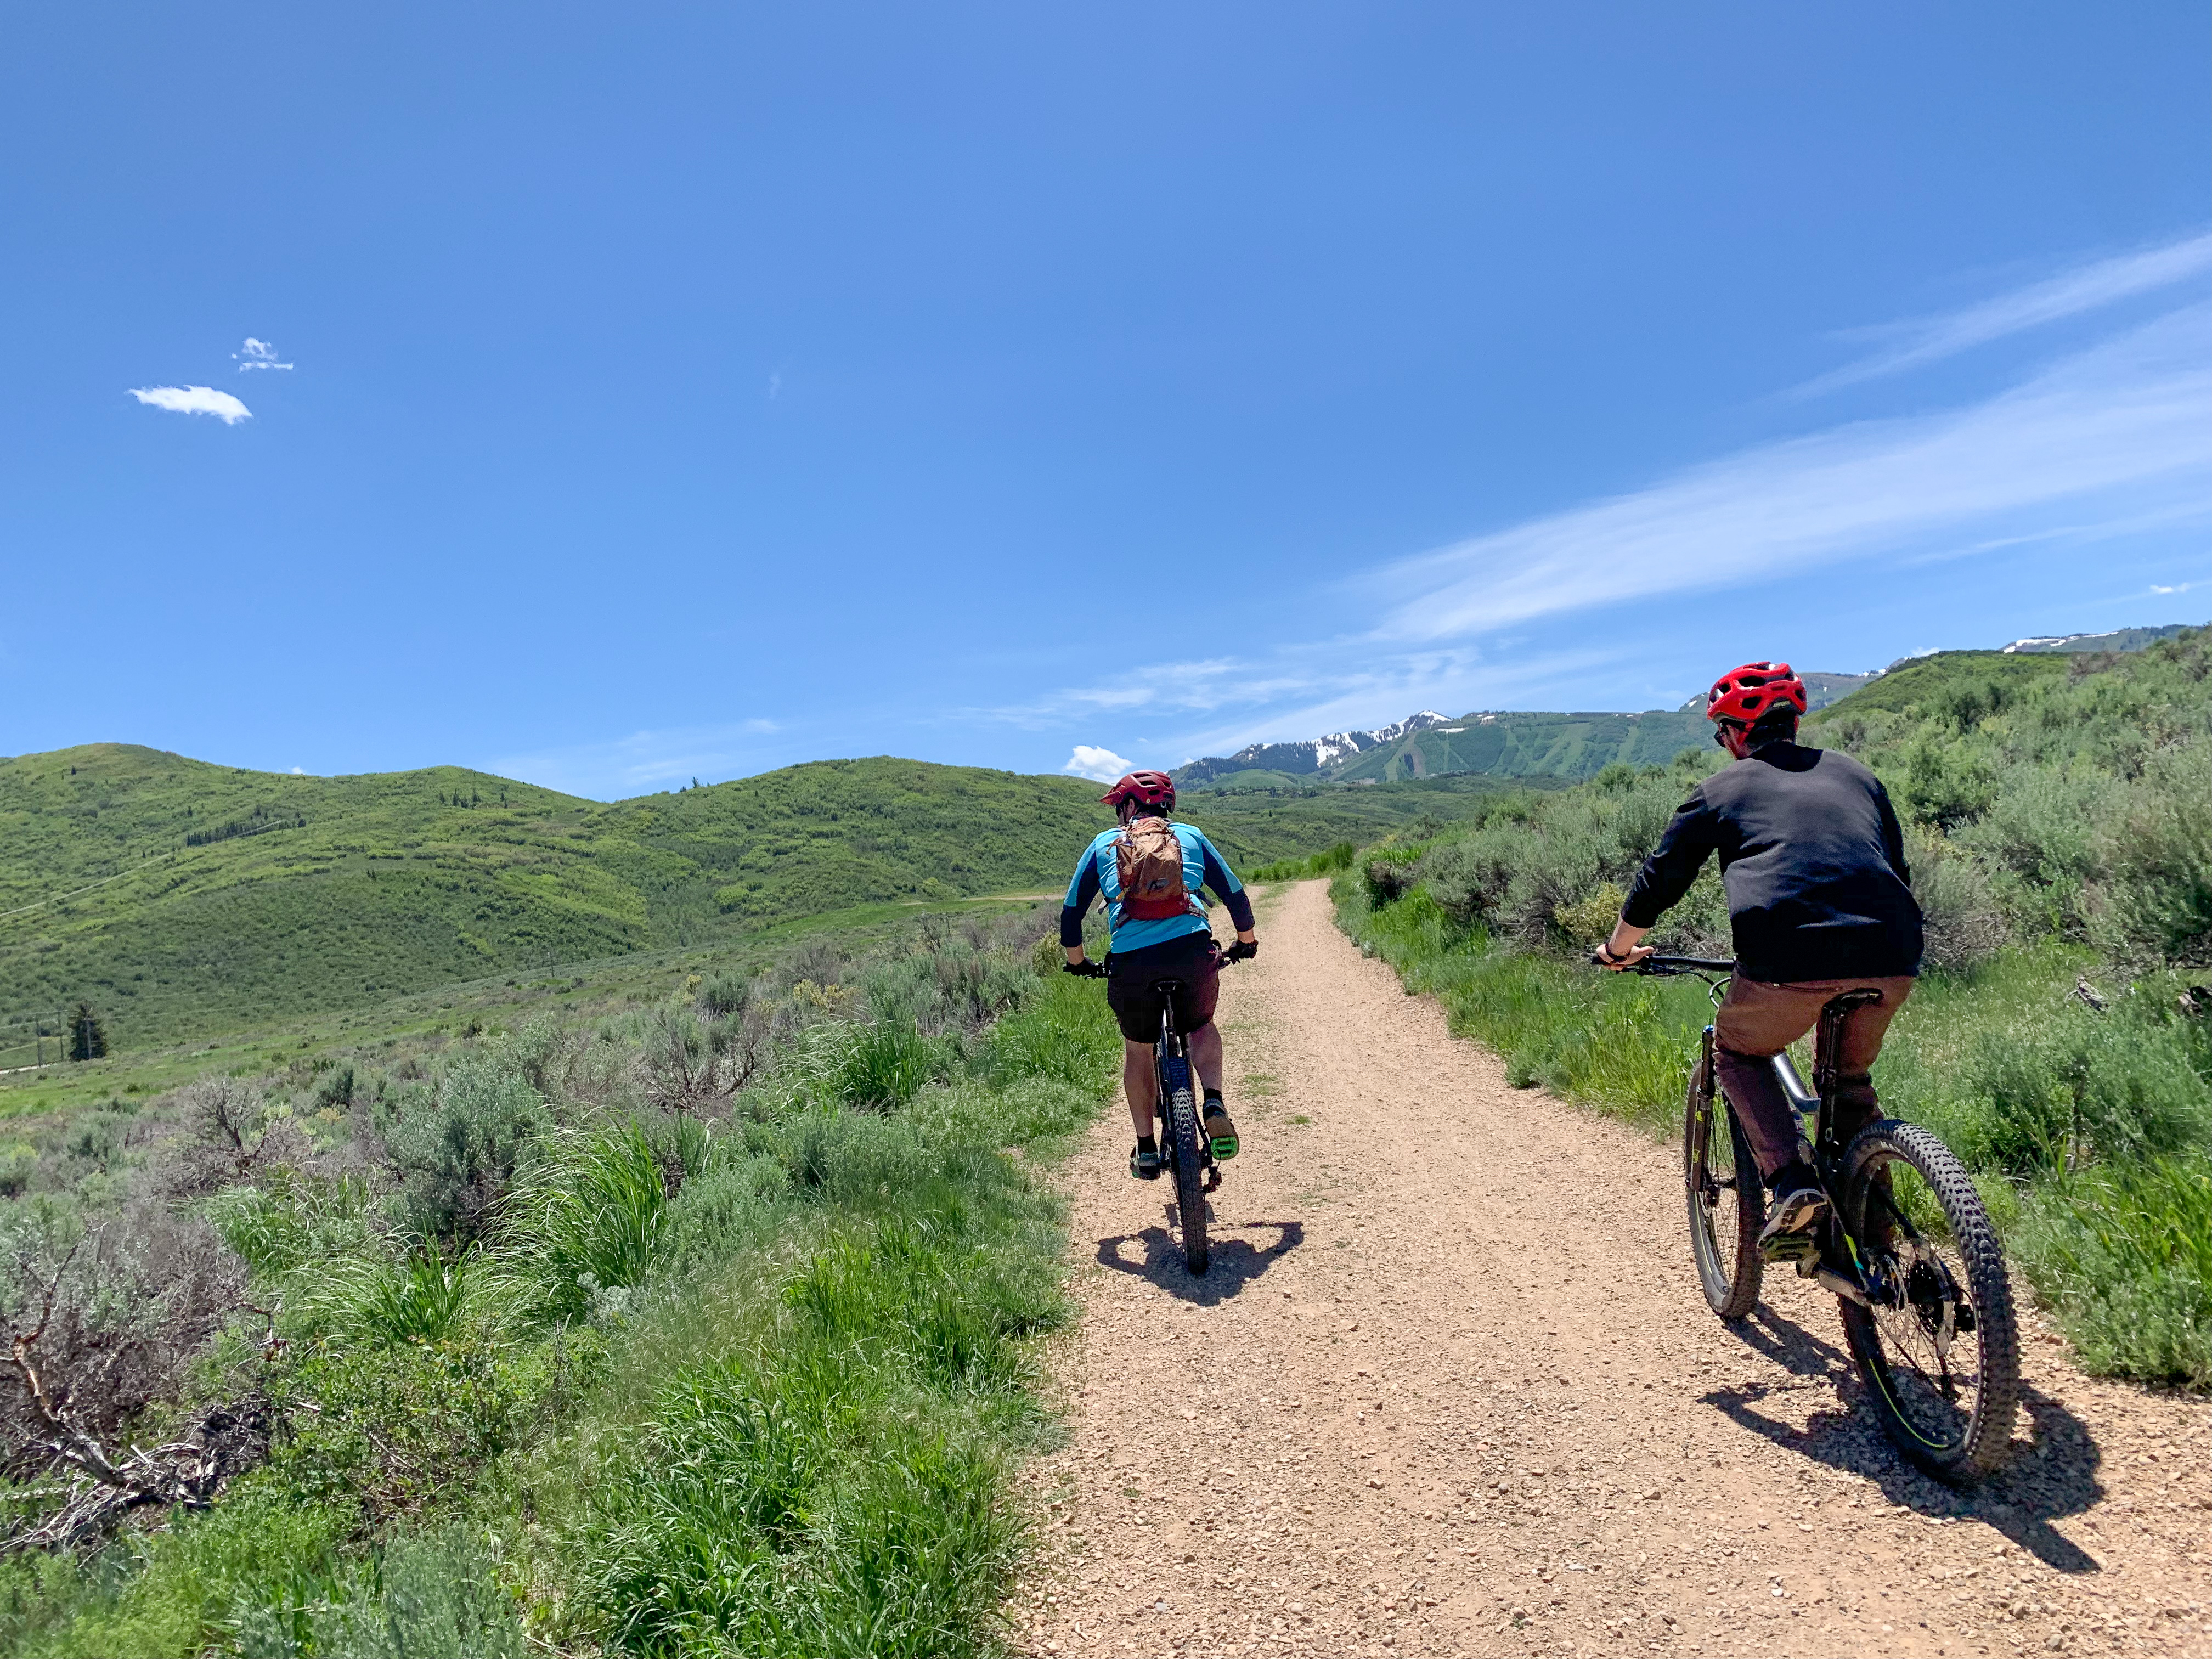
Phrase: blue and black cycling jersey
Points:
(1097, 873)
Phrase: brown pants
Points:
(1758, 1021)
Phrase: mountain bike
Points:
(1906, 1247)
(1180, 1136)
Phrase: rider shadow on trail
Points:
(2055, 1475)
(1238, 1261)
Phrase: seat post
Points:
(1833, 1016)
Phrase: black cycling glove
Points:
(1085, 969)
(1243, 950)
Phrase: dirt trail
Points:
(1450, 1388)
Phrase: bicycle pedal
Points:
(1800, 1251)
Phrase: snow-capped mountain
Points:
(1307, 754)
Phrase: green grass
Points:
(754, 1384)
(2124, 1251)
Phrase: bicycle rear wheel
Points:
(1181, 1112)
(1939, 1348)
(1720, 1181)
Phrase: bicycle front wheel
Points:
(1189, 1176)
(1939, 1346)
(1720, 1181)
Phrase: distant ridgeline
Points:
(1502, 743)
(2123, 639)
(1519, 743)
(181, 898)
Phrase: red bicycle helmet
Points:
(1146, 788)
(1747, 693)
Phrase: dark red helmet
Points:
(1146, 788)
(1745, 693)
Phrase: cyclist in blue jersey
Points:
(1149, 871)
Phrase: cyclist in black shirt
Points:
(1819, 902)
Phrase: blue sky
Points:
(613, 396)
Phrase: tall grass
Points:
(647, 1384)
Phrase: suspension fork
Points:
(1701, 1126)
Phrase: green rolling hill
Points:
(181, 898)
(1947, 673)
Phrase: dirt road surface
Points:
(1450, 1388)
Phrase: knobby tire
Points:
(1189, 1178)
(1724, 1221)
(1963, 1435)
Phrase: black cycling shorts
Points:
(1132, 985)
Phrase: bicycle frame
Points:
(1833, 1258)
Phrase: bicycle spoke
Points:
(1916, 1319)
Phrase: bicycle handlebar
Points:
(1100, 969)
(1664, 966)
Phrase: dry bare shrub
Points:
(228, 1131)
(101, 1324)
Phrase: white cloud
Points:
(2179, 588)
(2104, 445)
(257, 353)
(2085, 288)
(2111, 432)
(299, 771)
(1102, 764)
(194, 400)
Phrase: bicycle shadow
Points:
(1236, 1261)
(2055, 1476)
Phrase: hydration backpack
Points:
(1149, 859)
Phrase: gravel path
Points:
(1450, 1388)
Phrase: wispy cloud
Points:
(643, 761)
(2110, 433)
(2085, 288)
(1102, 764)
(194, 400)
(257, 353)
(2105, 445)
(1299, 691)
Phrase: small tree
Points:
(88, 1037)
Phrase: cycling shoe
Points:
(1797, 1211)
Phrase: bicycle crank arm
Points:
(1829, 1277)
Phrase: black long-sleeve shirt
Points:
(1812, 858)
